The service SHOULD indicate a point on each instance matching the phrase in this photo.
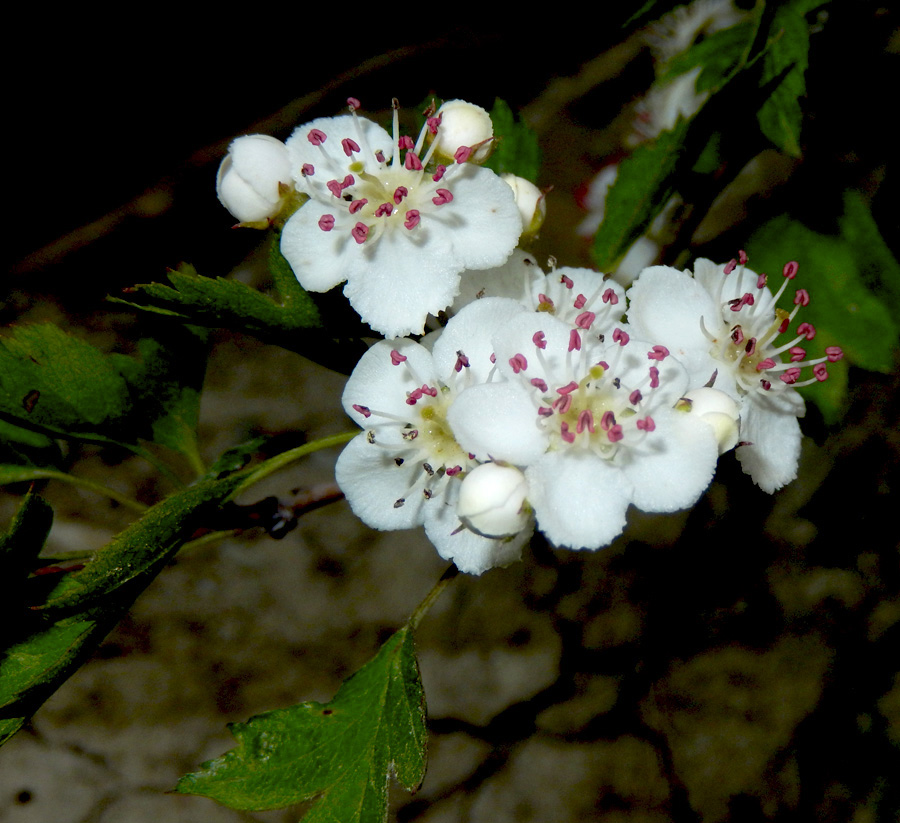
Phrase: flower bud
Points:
(719, 411)
(492, 500)
(531, 203)
(464, 124)
(249, 177)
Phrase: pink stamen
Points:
(574, 340)
(462, 154)
(766, 385)
(347, 181)
(750, 348)
(539, 384)
(326, 222)
(379, 156)
(431, 391)
(784, 325)
(615, 434)
(349, 146)
(585, 319)
(745, 300)
(790, 269)
(568, 388)
(412, 219)
(730, 266)
(443, 196)
(353, 103)
(742, 257)
(834, 353)
(411, 162)
(790, 375)
(405, 142)
(356, 205)
(307, 170)
(334, 187)
(316, 137)
(399, 193)
(545, 411)
(413, 396)
(434, 123)
(801, 298)
(452, 472)
(384, 210)
(567, 281)
(609, 296)
(397, 358)
(580, 301)
(647, 424)
(607, 421)
(603, 364)
(565, 433)
(620, 337)
(493, 357)
(806, 330)
(585, 421)
(635, 397)
(544, 300)
(363, 410)
(518, 363)
(765, 365)
(538, 339)
(761, 281)
(461, 362)
(659, 353)
(820, 370)
(737, 335)
(439, 173)
(654, 377)
(797, 354)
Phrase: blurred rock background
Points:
(733, 663)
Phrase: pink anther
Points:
(326, 222)
(349, 146)
(493, 357)
(411, 162)
(607, 421)
(784, 325)
(574, 340)
(801, 298)
(307, 170)
(635, 397)
(659, 353)
(356, 205)
(334, 187)
(791, 375)
(443, 196)
(453, 471)
(545, 411)
(797, 354)
(431, 391)
(580, 301)
(413, 396)
(585, 320)
(585, 421)
(363, 410)
(439, 173)
(379, 156)
(565, 433)
(397, 358)
(647, 424)
(462, 154)
(820, 370)
(353, 103)
(462, 362)
(406, 142)
(737, 335)
(567, 281)
(399, 193)
(609, 296)
(765, 365)
(761, 281)
(654, 377)
(766, 385)
(434, 123)
(742, 257)
(316, 137)
(568, 388)
(615, 434)
(730, 266)
(807, 330)
(538, 339)
(620, 337)
(603, 364)
(790, 269)
(384, 210)
(544, 300)
(750, 348)
(412, 219)
(834, 353)
(562, 404)
(518, 363)
(539, 384)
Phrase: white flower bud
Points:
(247, 183)
(720, 412)
(492, 500)
(464, 124)
(531, 202)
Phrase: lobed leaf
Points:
(339, 754)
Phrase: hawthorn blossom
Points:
(397, 228)
(253, 176)
(407, 468)
(723, 324)
(593, 424)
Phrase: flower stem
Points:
(81, 482)
(432, 596)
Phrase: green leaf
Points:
(25, 537)
(784, 65)
(517, 151)
(717, 55)
(643, 185)
(844, 310)
(339, 754)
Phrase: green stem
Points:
(432, 596)
(280, 461)
(73, 480)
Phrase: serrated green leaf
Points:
(339, 754)
(717, 55)
(843, 309)
(643, 185)
(784, 65)
(517, 150)
(26, 535)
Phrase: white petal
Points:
(373, 483)
(511, 279)
(320, 259)
(579, 499)
(775, 436)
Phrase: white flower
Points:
(406, 469)
(723, 323)
(248, 180)
(592, 423)
(718, 410)
(463, 126)
(531, 203)
(492, 500)
(398, 231)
